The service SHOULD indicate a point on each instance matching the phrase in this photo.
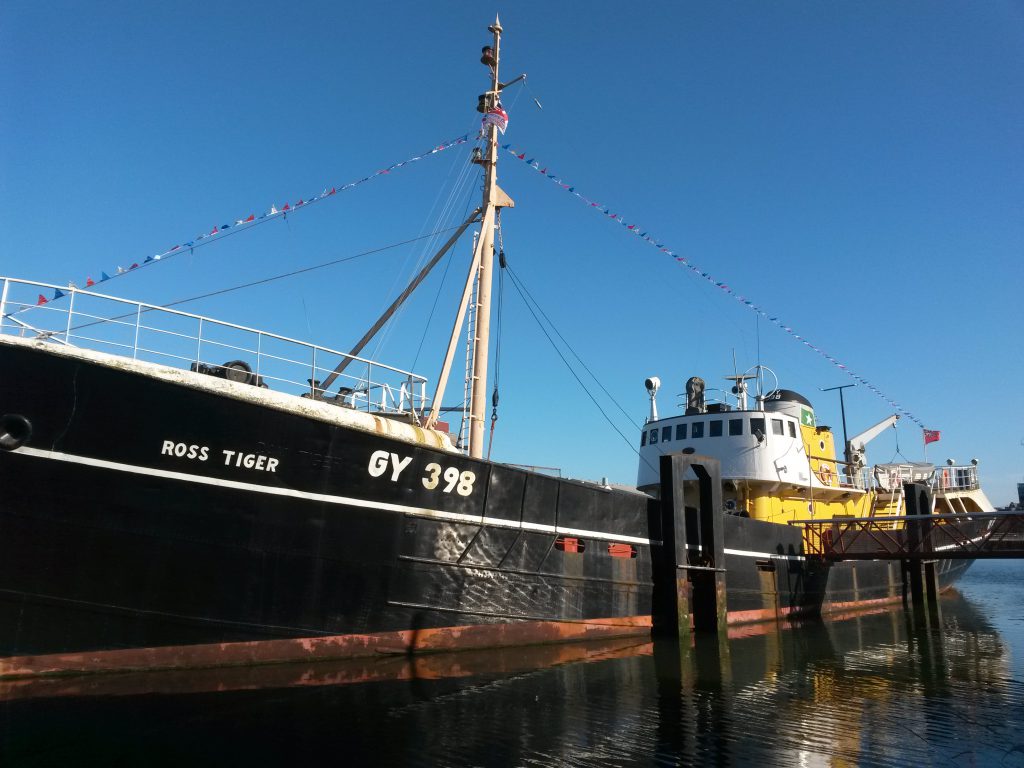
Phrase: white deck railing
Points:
(890, 477)
(156, 334)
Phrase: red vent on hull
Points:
(569, 544)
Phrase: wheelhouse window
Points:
(715, 428)
(757, 425)
(680, 431)
(777, 427)
(666, 434)
(643, 438)
(654, 436)
(792, 428)
(735, 427)
(698, 430)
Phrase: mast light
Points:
(653, 384)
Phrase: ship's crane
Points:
(855, 446)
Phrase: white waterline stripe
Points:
(308, 495)
(766, 555)
(975, 540)
(747, 553)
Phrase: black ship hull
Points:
(149, 521)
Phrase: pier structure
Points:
(918, 535)
(919, 540)
(689, 572)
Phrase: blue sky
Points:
(857, 169)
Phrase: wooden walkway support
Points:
(920, 574)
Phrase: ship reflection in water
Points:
(872, 689)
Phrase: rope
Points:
(898, 453)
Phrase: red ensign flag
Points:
(931, 436)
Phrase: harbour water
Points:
(875, 689)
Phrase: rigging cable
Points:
(898, 453)
(635, 229)
(578, 358)
(466, 174)
(516, 284)
(433, 308)
(447, 209)
(265, 280)
(323, 265)
(245, 224)
(497, 336)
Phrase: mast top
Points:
(496, 26)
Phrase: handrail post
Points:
(369, 384)
(138, 322)
(3, 302)
(71, 312)
(312, 377)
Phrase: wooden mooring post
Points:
(920, 576)
(689, 569)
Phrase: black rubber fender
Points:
(15, 431)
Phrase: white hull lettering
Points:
(185, 451)
(461, 482)
(255, 461)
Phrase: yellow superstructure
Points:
(779, 465)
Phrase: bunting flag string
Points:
(219, 231)
(635, 229)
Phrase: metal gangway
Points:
(916, 537)
(919, 540)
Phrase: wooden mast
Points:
(483, 263)
(493, 199)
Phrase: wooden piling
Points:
(921, 575)
(690, 572)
